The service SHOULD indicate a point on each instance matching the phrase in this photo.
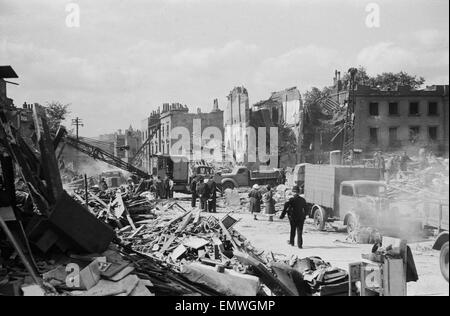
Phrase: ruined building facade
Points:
(283, 110)
(235, 122)
(158, 130)
(400, 119)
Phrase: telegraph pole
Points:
(77, 123)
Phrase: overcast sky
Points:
(129, 57)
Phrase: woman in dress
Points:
(269, 203)
(255, 201)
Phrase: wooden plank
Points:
(228, 234)
(184, 224)
(168, 243)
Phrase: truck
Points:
(352, 195)
(242, 177)
(181, 171)
(437, 217)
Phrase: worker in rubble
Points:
(212, 202)
(193, 189)
(131, 185)
(171, 187)
(103, 185)
(380, 163)
(203, 193)
(165, 187)
(282, 176)
(295, 208)
(269, 203)
(159, 188)
(404, 159)
(423, 159)
(255, 201)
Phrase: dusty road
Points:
(331, 247)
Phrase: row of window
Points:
(414, 133)
(165, 131)
(414, 109)
(155, 148)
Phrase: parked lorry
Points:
(242, 177)
(353, 195)
(437, 217)
(181, 171)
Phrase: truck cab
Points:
(242, 177)
(361, 202)
(182, 171)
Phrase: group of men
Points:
(204, 189)
(162, 188)
(395, 166)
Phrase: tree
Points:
(56, 114)
(386, 80)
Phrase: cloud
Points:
(386, 56)
(424, 52)
(309, 65)
(431, 38)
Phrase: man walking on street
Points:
(296, 210)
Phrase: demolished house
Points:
(369, 119)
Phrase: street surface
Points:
(332, 247)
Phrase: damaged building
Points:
(236, 120)
(283, 110)
(387, 120)
(157, 130)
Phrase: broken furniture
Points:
(382, 274)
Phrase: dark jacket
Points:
(194, 187)
(295, 208)
(212, 188)
(202, 191)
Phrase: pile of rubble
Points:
(427, 180)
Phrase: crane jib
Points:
(102, 155)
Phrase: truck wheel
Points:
(444, 261)
(352, 224)
(319, 219)
(227, 185)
